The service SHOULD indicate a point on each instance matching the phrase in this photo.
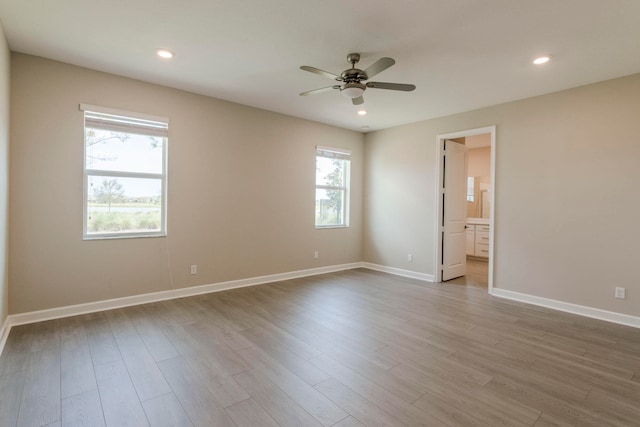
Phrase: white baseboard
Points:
(92, 307)
(595, 313)
(398, 271)
(4, 333)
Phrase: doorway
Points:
(484, 204)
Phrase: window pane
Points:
(122, 205)
(330, 171)
(329, 207)
(123, 152)
(470, 188)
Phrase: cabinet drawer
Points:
(470, 227)
(482, 249)
(483, 228)
(482, 237)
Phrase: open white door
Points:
(454, 211)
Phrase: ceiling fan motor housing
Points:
(353, 75)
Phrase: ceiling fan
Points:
(352, 79)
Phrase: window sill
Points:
(123, 236)
(324, 227)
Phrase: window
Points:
(470, 188)
(332, 187)
(125, 173)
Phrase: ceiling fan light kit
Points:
(353, 90)
(353, 78)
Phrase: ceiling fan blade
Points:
(379, 66)
(391, 86)
(322, 89)
(321, 72)
(357, 101)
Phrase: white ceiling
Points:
(461, 54)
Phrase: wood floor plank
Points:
(295, 363)
(349, 422)
(467, 404)
(102, 344)
(431, 364)
(11, 387)
(373, 372)
(536, 350)
(547, 420)
(152, 334)
(615, 410)
(218, 353)
(45, 335)
(452, 415)
(192, 393)
(360, 408)
(83, 410)
(119, 322)
(249, 414)
(268, 334)
(166, 411)
(589, 378)
(145, 375)
(77, 373)
(321, 408)
(20, 338)
(179, 311)
(120, 402)
(278, 405)
(343, 349)
(73, 327)
(13, 361)
(224, 305)
(385, 400)
(229, 337)
(40, 403)
(531, 396)
(217, 379)
(161, 314)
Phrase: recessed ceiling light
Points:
(542, 60)
(164, 53)
(362, 112)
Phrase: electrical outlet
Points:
(620, 293)
(194, 269)
(410, 257)
(315, 254)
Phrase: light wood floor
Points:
(345, 349)
(477, 274)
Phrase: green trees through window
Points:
(125, 176)
(332, 179)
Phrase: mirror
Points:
(478, 197)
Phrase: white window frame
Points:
(158, 126)
(336, 153)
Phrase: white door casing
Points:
(454, 237)
(438, 205)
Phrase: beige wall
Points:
(241, 192)
(479, 161)
(555, 154)
(4, 176)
